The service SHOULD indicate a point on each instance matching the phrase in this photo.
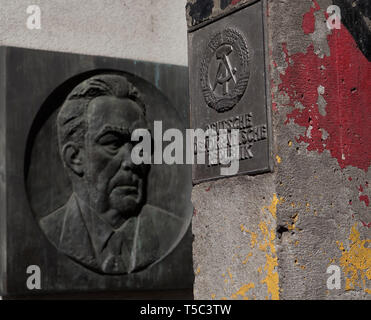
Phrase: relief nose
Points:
(127, 164)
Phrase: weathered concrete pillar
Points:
(275, 235)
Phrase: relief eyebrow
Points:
(114, 130)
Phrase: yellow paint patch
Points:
(272, 208)
(253, 235)
(198, 270)
(356, 262)
(242, 291)
(272, 276)
(229, 274)
(278, 158)
(247, 258)
(253, 240)
(293, 223)
(290, 143)
(268, 246)
(307, 207)
(269, 236)
(213, 296)
(264, 240)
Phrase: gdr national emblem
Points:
(225, 70)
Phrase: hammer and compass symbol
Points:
(225, 69)
(226, 72)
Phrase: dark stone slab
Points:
(72, 202)
(229, 87)
(201, 12)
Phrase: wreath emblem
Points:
(224, 70)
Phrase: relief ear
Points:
(72, 156)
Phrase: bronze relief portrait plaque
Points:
(229, 87)
(87, 216)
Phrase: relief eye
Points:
(113, 145)
(111, 142)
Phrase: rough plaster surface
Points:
(233, 225)
(150, 30)
(322, 218)
(319, 191)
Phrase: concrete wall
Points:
(273, 236)
(321, 83)
(151, 30)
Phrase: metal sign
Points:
(229, 88)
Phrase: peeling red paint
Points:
(194, 212)
(208, 189)
(309, 19)
(274, 105)
(365, 199)
(368, 225)
(348, 111)
(235, 2)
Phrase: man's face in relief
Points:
(114, 182)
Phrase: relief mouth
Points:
(129, 183)
(127, 189)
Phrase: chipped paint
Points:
(230, 274)
(294, 219)
(272, 277)
(320, 122)
(247, 258)
(243, 291)
(253, 235)
(356, 262)
(267, 245)
(345, 76)
(272, 208)
(309, 20)
(253, 240)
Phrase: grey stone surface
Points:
(151, 30)
(317, 209)
(233, 230)
(320, 217)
